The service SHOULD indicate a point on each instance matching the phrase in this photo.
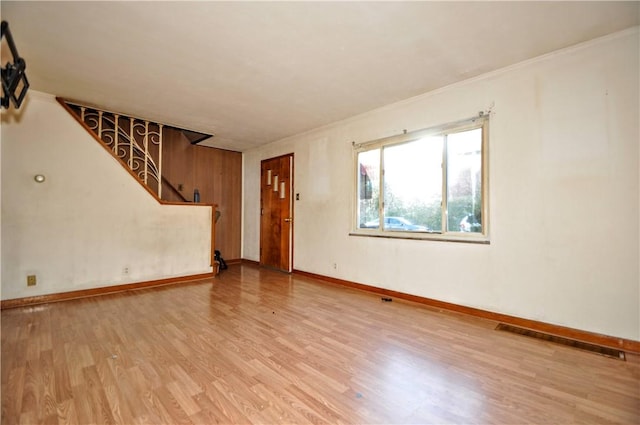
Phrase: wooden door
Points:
(276, 213)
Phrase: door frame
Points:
(291, 157)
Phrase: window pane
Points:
(368, 188)
(464, 181)
(413, 185)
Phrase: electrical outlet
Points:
(31, 280)
(125, 270)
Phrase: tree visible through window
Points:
(429, 182)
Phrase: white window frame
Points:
(455, 235)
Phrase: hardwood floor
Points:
(258, 346)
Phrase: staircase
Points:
(137, 145)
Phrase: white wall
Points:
(90, 219)
(563, 194)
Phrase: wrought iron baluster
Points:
(146, 150)
(131, 143)
(116, 133)
(100, 125)
(140, 159)
(160, 126)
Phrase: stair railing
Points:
(137, 142)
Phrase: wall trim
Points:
(234, 261)
(628, 345)
(93, 292)
(482, 77)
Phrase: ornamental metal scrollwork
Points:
(138, 143)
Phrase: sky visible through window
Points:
(413, 170)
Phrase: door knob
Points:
(288, 220)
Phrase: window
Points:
(428, 184)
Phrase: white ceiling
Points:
(256, 72)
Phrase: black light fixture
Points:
(14, 80)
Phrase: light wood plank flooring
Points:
(258, 346)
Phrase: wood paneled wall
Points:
(216, 173)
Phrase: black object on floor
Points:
(220, 260)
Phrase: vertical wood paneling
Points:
(177, 167)
(231, 190)
(217, 174)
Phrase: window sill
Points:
(421, 236)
